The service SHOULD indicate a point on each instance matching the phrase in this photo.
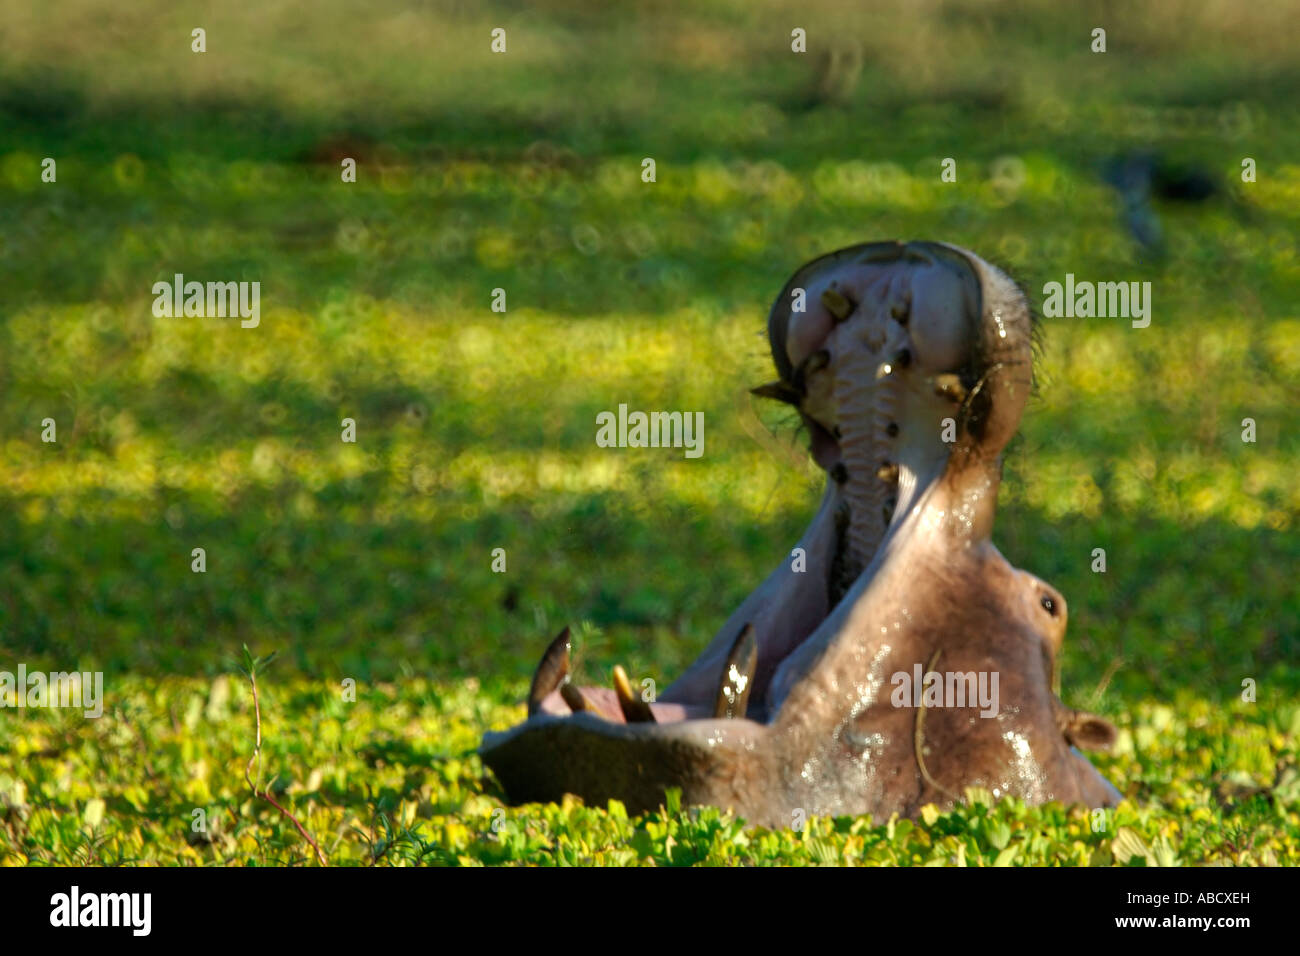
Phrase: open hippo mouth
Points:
(894, 657)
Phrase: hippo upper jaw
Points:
(910, 366)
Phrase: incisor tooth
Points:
(887, 472)
(578, 701)
(635, 710)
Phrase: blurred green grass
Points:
(476, 430)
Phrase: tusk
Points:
(837, 303)
(949, 386)
(635, 710)
(738, 676)
(552, 672)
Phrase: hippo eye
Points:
(1048, 605)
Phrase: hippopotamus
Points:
(846, 683)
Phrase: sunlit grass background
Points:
(476, 430)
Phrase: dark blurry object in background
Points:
(1144, 175)
(837, 67)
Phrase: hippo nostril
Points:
(903, 359)
(892, 429)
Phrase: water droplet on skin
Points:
(1026, 768)
(865, 742)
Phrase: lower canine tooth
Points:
(552, 672)
(949, 386)
(635, 710)
(737, 676)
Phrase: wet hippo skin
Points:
(910, 364)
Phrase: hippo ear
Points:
(780, 391)
(1090, 732)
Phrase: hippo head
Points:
(895, 657)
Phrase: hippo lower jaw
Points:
(910, 368)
